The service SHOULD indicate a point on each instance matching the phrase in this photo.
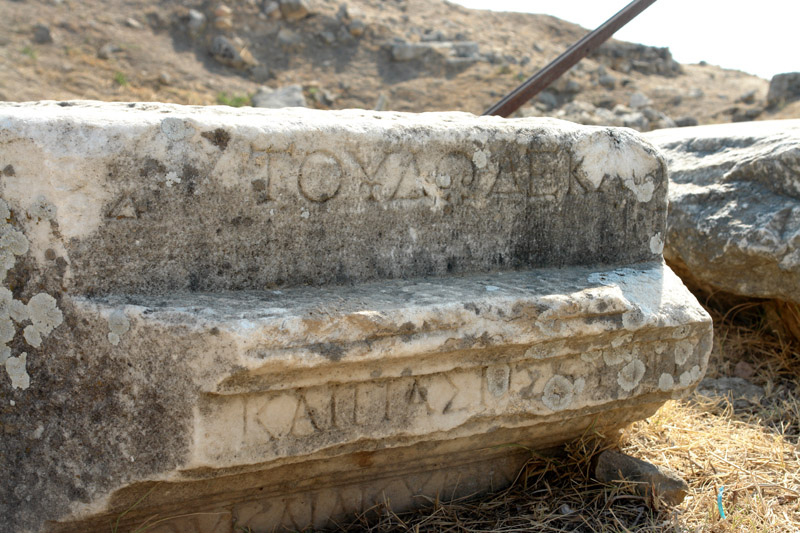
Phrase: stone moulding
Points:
(279, 319)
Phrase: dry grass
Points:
(750, 449)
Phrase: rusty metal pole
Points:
(539, 81)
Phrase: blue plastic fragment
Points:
(719, 502)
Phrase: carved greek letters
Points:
(370, 407)
(397, 177)
(312, 416)
(512, 175)
(282, 183)
(455, 177)
(497, 379)
(455, 169)
(277, 415)
(320, 508)
(550, 174)
(542, 174)
(320, 177)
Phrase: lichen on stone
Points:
(497, 379)
(41, 310)
(12, 242)
(690, 376)
(15, 368)
(666, 382)
(42, 208)
(630, 375)
(45, 317)
(118, 325)
(559, 392)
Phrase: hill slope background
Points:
(404, 55)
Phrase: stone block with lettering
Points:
(216, 318)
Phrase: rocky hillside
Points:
(406, 55)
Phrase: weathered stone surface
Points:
(734, 221)
(251, 199)
(277, 319)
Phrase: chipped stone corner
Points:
(608, 152)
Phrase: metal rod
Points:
(539, 81)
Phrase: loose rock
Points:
(108, 50)
(41, 34)
(294, 9)
(197, 21)
(747, 98)
(231, 53)
(739, 391)
(639, 100)
(289, 38)
(608, 81)
(655, 483)
(289, 96)
(624, 57)
(409, 51)
(356, 28)
(783, 88)
(272, 9)
(683, 122)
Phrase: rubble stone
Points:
(734, 221)
(659, 485)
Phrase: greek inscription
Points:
(549, 173)
(542, 174)
(455, 175)
(370, 408)
(467, 390)
(497, 379)
(320, 177)
(429, 402)
(344, 407)
(324, 507)
(512, 176)
(319, 407)
(537, 174)
(302, 425)
(440, 394)
(258, 166)
(281, 176)
(276, 416)
(397, 177)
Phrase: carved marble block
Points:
(215, 317)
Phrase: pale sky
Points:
(761, 37)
